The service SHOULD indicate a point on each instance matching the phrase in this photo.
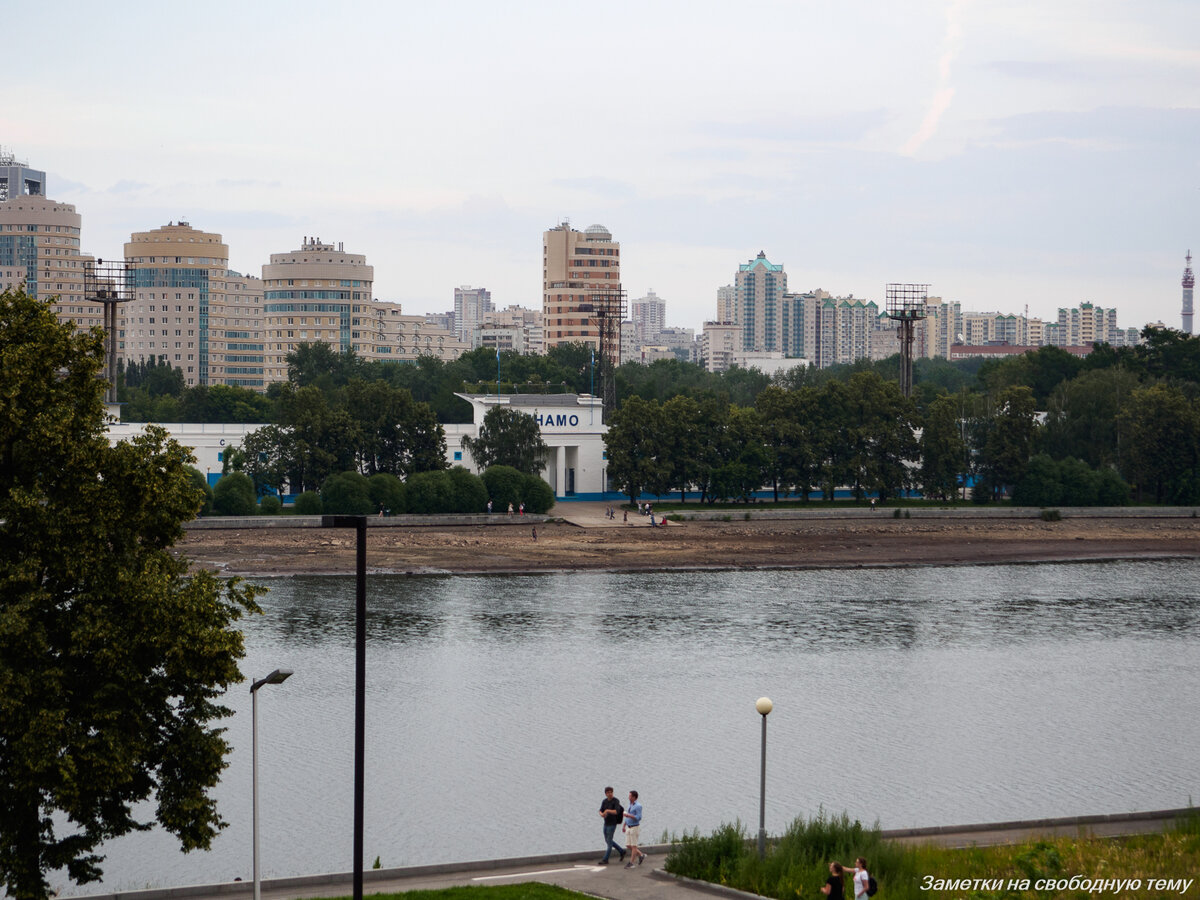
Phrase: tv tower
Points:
(1189, 281)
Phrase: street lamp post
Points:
(277, 677)
(359, 524)
(764, 707)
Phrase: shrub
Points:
(346, 494)
(234, 495)
(537, 495)
(309, 504)
(428, 492)
(504, 485)
(387, 493)
(468, 493)
(270, 505)
(201, 484)
(1051, 515)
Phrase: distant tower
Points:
(1189, 281)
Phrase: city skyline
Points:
(1008, 156)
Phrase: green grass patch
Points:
(531, 890)
(797, 863)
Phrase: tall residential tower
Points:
(582, 298)
(1189, 282)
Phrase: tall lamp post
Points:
(277, 677)
(359, 524)
(764, 707)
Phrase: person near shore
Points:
(625, 517)
(489, 507)
(510, 508)
(633, 824)
(834, 887)
(862, 878)
(535, 533)
(612, 812)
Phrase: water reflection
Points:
(993, 693)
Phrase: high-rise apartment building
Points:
(719, 344)
(761, 285)
(727, 303)
(236, 341)
(39, 250)
(179, 277)
(471, 305)
(319, 293)
(649, 316)
(17, 179)
(581, 286)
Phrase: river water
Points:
(499, 708)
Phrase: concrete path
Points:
(579, 871)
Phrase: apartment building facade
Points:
(581, 286)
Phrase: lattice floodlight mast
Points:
(906, 305)
(607, 310)
(109, 283)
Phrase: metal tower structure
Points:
(1189, 281)
(906, 305)
(109, 283)
(607, 309)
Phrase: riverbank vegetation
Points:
(797, 863)
(1046, 428)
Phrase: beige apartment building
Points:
(314, 294)
(184, 301)
(383, 332)
(39, 250)
(581, 286)
(720, 342)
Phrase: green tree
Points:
(1161, 434)
(233, 495)
(943, 450)
(112, 657)
(1008, 442)
(631, 444)
(508, 437)
(347, 494)
(387, 493)
(397, 434)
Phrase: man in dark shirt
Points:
(612, 813)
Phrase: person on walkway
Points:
(834, 887)
(489, 507)
(522, 507)
(612, 812)
(510, 508)
(862, 878)
(625, 517)
(535, 534)
(633, 822)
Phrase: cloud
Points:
(944, 95)
(596, 184)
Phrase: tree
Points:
(112, 658)
(233, 495)
(630, 444)
(508, 437)
(943, 450)
(1161, 436)
(348, 494)
(1009, 439)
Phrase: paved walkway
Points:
(579, 872)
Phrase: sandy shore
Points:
(786, 543)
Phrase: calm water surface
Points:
(499, 707)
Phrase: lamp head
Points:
(764, 706)
(279, 676)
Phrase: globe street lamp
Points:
(277, 677)
(764, 707)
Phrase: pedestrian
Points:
(834, 887)
(489, 507)
(522, 507)
(872, 504)
(625, 517)
(862, 878)
(510, 507)
(633, 822)
(613, 813)
(535, 534)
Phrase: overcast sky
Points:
(1010, 154)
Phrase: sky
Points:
(1013, 155)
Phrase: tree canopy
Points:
(112, 658)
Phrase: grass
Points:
(531, 890)
(797, 863)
